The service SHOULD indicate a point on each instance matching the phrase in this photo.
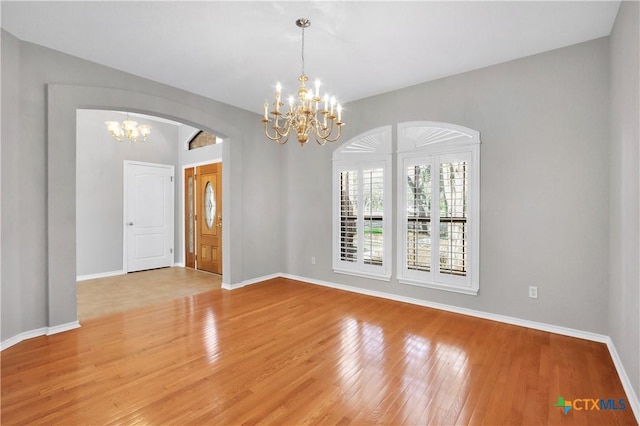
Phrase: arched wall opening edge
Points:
(62, 103)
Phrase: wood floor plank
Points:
(287, 352)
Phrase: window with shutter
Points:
(438, 196)
(362, 214)
(439, 184)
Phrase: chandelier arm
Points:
(325, 132)
(286, 127)
(337, 135)
(285, 131)
(320, 141)
(276, 127)
(277, 136)
(321, 133)
(328, 139)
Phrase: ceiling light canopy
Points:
(310, 114)
(130, 129)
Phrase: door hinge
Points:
(171, 178)
(170, 250)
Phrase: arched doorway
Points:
(63, 101)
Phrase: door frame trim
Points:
(183, 222)
(125, 205)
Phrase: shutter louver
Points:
(373, 212)
(419, 217)
(453, 218)
(348, 216)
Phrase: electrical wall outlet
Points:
(313, 260)
(533, 292)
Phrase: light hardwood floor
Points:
(104, 296)
(285, 352)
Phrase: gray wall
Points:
(99, 185)
(45, 88)
(12, 296)
(624, 277)
(543, 122)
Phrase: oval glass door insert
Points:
(209, 205)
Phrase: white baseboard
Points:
(565, 331)
(632, 397)
(179, 264)
(62, 328)
(43, 331)
(244, 283)
(100, 275)
(23, 336)
(227, 286)
(465, 311)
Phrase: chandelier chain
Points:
(303, 51)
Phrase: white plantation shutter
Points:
(438, 200)
(418, 211)
(362, 213)
(348, 216)
(373, 215)
(453, 217)
(439, 203)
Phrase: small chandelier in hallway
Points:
(312, 114)
(130, 129)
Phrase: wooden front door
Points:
(209, 217)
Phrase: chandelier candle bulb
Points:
(309, 100)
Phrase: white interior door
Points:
(148, 216)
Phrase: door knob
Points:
(130, 223)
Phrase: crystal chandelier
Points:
(310, 114)
(129, 129)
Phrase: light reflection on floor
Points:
(361, 364)
(426, 367)
(433, 375)
(211, 337)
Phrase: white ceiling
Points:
(234, 52)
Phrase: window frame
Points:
(364, 152)
(437, 143)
